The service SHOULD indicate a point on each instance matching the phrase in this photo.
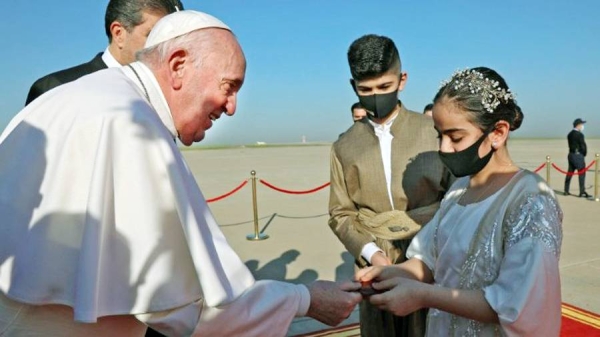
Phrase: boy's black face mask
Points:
(379, 105)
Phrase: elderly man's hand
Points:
(331, 303)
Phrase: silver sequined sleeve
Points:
(528, 285)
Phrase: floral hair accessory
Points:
(491, 92)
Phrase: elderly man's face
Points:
(212, 89)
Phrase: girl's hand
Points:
(401, 296)
(378, 273)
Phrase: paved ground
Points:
(301, 247)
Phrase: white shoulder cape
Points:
(99, 210)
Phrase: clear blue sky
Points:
(297, 77)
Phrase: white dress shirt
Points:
(385, 144)
(109, 59)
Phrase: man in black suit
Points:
(577, 153)
(127, 24)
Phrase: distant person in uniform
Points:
(358, 112)
(576, 157)
(428, 110)
(127, 24)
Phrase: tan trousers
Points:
(378, 323)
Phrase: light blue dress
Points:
(507, 245)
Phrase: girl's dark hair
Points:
(482, 111)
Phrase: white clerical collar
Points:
(149, 86)
(109, 59)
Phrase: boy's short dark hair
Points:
(371, 56)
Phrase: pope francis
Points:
(105, 231)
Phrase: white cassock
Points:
(100, 213)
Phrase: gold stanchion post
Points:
(596, 197)
(256, 236)
(548, 164)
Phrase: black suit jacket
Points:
(577, 142)
(64, 76)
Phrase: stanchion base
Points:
(256, 237)
(597, 199)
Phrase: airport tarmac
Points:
(302, 248)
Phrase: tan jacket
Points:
(419, 179)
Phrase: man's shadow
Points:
(423, 174)
(345, 271)
(277, 269)
(53, 252)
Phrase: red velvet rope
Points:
(228, 193)
(574, 173)
(293, 192)
(539, 168)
